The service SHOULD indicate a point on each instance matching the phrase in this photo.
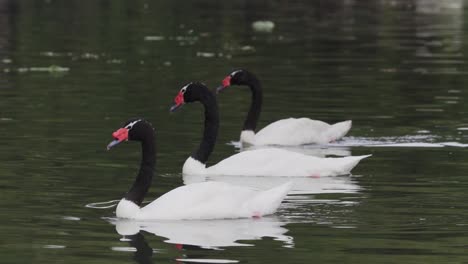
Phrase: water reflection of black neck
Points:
(211, 127)
(142, 182)
(253, 115)
(144, 252)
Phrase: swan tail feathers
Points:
(352, 161)
(267, 202)
(339, 130)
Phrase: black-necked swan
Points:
(287, 132)
(257, 162)
(207, 200)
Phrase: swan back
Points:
(214, 200)
(280, 162)
(300, 131)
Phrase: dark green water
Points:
(72, 71)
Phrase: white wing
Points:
(214, 200)
(300, 131)
(280, 162)
(301, 185)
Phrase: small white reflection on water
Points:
(211, 234)
(54, 246)
(124, 249)
(422, 141)
(342, 147)
(103, 205)
(208, 260)
(71, 218)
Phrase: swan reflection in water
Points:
(137, 242)
(209, 234)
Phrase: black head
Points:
(136, 129)
(192, 92)
(238, 77)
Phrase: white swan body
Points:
(274, 162)
(301, 185)
(296, 131)
(207, 200)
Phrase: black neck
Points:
(211, 128)
(253, 115)
(143, 180)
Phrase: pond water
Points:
(71, 72)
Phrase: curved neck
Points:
(253, 115)
(142, 182)
(211, 128)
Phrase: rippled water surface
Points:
(72, 71)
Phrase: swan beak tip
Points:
(113, 143)
(175, 107)
(220, 89)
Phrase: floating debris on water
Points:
(48, 54)
(55, 54)
(186, 38)
(237, 48)
(447, 97)
(263, 26)
(167, 63)
(247, 48)
(154, 38)
(429, 110)
(89, 56)
(114, 61)
(51, 69)
(54, 246)
(423, 131)
(420, 70)
(388, 70)
(453, 91)
(71, 218)
(205, 54)
(6, 60)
